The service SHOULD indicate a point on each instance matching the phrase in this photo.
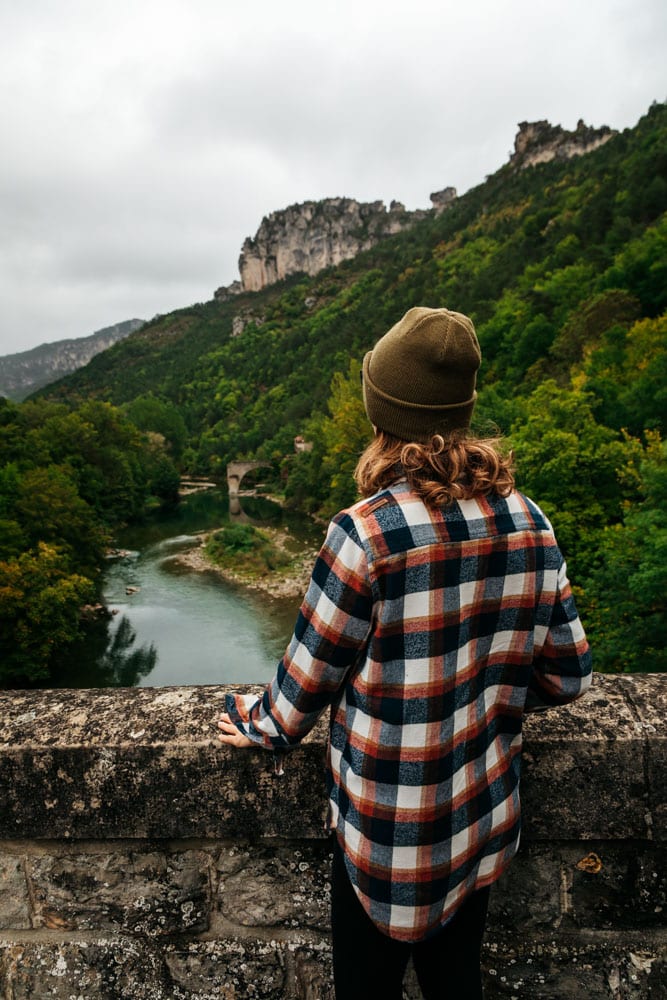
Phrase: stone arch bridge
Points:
(237, 470)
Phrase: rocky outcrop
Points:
(25, 373)
(244, 319)
(306, 238)
(228, 292)
(540, 142)
(443, 199)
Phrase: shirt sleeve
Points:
(330, 633)
(563, 670)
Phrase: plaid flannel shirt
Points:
(428, 632)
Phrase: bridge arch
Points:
(237, 470)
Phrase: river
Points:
(176, 626)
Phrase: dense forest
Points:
(563, 268)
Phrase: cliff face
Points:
(25, 373)
(442, 199)
(307, 238)
(540, 142)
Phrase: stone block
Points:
(231, 968)
(134, 969)
(149, 893)
(83, 970)
(275, 887)
(598, 885)
(313, 973)
(558, 969)
(142, 763)
(575, 761)
(647, 697)
(619, 887)
(527, 896)
(14, 900)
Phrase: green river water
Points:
(184, 627)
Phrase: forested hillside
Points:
(563, 268)
(22, 374)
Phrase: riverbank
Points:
(289, 581)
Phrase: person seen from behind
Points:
(438, 613)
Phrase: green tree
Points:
(624, 600)
(39, 612)
(579, 471)
(627, 373)
(50, 510)
(161, 417)
(345, 435)
(641, 268)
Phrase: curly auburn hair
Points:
(456, 467)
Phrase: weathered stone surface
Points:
(313, 974)
(601, 885)
(233, 969)
(14, 902)
(575, 761)
(528, 894)
(145, 763)
(92, 970)
(516, 969)
(219, 887)
(286, 886)
(149, 893)
(648, 702)
(238, 970)
(628, 891)
(442, 199)
(127, 717)
(131, 969)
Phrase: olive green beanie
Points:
(419, 379)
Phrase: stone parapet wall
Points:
(140, 859)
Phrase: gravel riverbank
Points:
(288, 581)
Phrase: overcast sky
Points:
(143, 140)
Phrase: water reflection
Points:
(122, 665)
(250, 510)
(106, 657)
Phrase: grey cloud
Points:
(143, 142)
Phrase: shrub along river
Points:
(172, 625)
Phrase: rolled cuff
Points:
(412, 421)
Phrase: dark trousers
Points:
(368, 964)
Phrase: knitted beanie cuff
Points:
(412, 421)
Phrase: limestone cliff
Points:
(540, 142)
(306, 238)
(24, 373)
(442, 199)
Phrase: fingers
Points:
(230, 735)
